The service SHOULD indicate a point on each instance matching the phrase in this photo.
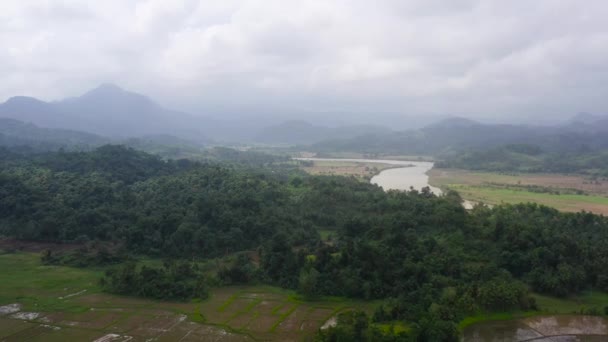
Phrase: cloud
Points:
(468, 57)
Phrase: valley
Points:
(303, 171)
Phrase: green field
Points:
(583, 303)
(67, 303)
(577, 304)
(570, 193)
(566, 202)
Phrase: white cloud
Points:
(462, 56)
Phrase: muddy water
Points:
(411, 174)
(562, 328)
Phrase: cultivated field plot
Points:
(267, 313)
(53, 303)
(565, 192)
(110, 319)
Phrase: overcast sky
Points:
(483, 59)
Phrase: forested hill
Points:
(457, 134)
(17, 133)
(430, 261)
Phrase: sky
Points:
(351, 59)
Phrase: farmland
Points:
(53, 303)
(570, 193)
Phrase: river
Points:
(411, 174)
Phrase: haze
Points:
(322, 61)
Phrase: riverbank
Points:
(401, 175)
(358, 169)
(540, 328)
(592, 303)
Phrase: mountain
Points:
(302, 132)
(586, 122)
(106, 110)
(586, 118)
(458, 134)
(29, 109)
(453, 122)
(18, 133)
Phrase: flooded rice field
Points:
(559, 328)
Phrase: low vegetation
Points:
(571, 193)
(173, 281)
(531, 158)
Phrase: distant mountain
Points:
(106, 110)
(18, 133)
(458, 134)
(29, 109)
(586, 122)
(302, 132)
(586, 118)
(453, 122)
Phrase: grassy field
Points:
(547, 306)
(62, 303)
(582, 303)
(564, 192)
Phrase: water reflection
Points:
(562, 328)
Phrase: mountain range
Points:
(17, 133)
(589, 132)
(106, 110)
(302, 133)
(113, 112)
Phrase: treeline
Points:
(529, 158)
(173, 280)
(174, 208)
(90, 254)
(431, 262)
(17, 134)
(438, 272)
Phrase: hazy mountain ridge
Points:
(106, 110)
(17, 133)
(111, 111)
(118, 114)
(454, 134)
(302, 132)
